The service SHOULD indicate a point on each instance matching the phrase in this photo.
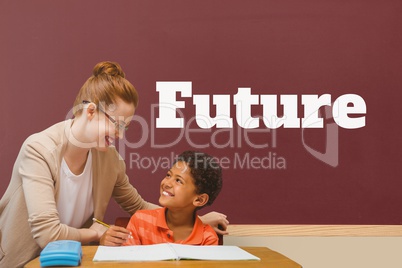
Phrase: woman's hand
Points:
(99, 229)
(114, 236)
(217, 220)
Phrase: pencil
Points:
(107, 225)
(101, 222)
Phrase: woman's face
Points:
(110, 122)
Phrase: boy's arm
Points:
(210, 236)
(133, 238)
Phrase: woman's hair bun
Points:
(108, 68)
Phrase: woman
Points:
(66, 174)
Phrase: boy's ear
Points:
(201, 200)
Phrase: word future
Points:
(342, 107)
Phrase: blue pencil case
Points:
(61, 253)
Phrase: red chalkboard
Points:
(329, 175)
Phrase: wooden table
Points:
(269, 258)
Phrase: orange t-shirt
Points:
(149, 227)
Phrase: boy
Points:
(194, 181)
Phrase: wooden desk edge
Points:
(314, 230)
(264, 253)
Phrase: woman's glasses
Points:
(121, 126)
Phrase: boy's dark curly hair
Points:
(206, 172)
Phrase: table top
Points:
(269, 258)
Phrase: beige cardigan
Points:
(28, 215)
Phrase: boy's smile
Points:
(177, 189)
(166, 193)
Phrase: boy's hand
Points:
(217, 220)
(114, 236)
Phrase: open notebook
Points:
(168, 251)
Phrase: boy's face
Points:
(177, 188)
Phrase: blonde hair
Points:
(107, 83)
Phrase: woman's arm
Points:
(126, 195)
(37, 170)
(217, 220)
